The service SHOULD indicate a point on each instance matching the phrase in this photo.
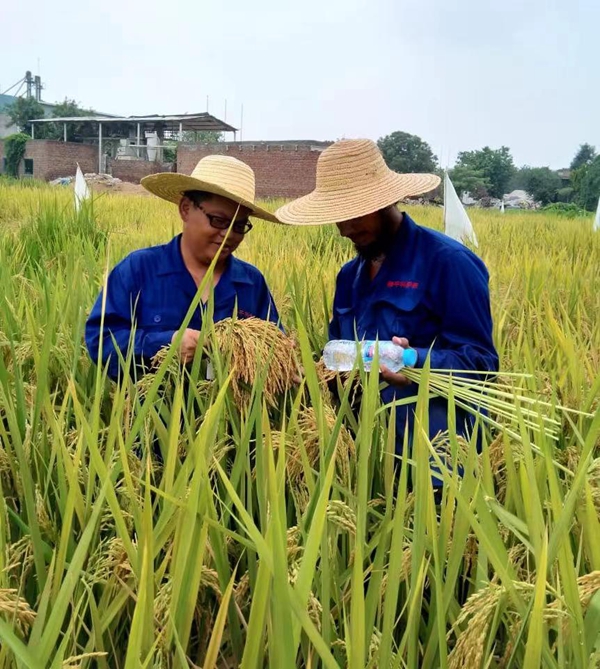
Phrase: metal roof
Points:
(194, 122)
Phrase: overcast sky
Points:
(461, 74)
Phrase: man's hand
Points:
(189, 342)
(395, 378)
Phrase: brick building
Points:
(283, 169)
(126, 147)
(48, 159)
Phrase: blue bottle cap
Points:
(409, 357)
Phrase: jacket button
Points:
(157, 319)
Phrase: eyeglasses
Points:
(220, 223)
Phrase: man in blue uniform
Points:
(407, 283)
(153, 288)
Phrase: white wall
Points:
(6, 127)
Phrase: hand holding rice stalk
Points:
(494, 400)
(482, 394)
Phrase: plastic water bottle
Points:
(339, 355)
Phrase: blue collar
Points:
(402, 254)
(171, 262)
(405, 239)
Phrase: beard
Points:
(382, 245)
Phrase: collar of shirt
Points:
(402, 267)
(172, 263)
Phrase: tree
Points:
(586, 184)
(584, 156)
(407, 153)
(202, 137)
(495, 165)
(23, 110)
(541, 183)
(565, 194)
(469, 180)
(69, 108)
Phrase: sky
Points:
(461, 75)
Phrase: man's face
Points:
(369, 234)
(202, 238)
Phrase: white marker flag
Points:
(456, 221)
(82, 192)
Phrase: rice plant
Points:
(257, 519)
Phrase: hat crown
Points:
(227, 173)
(349, 164)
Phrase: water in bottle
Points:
(339, 355)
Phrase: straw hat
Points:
(352, 181)
(221, 175)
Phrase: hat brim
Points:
(325, 207)
(171, 186)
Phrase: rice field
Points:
(277, 529)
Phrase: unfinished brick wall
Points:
(52, 159)
(135, 170)
(282, 169)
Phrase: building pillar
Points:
(99, 148)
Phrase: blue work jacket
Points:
(153, 288)
(433, 291)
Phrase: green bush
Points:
(14, 147)
(567, 209)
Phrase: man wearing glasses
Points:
(153, 288)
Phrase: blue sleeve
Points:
(334, 328)
(463, 297)
(122, 293)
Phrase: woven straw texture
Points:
(221, 175)
(352, 181)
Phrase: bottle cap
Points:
(409, 357)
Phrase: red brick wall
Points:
(282, 170)
(52, 159)
(135, 170)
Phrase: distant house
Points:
(565, 176)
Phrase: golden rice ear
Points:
(252, 343)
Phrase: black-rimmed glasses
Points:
(220, 223)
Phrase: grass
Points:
(277, 531)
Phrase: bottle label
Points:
(339, 358)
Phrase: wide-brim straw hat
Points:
(220, 175)
(352, 181)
